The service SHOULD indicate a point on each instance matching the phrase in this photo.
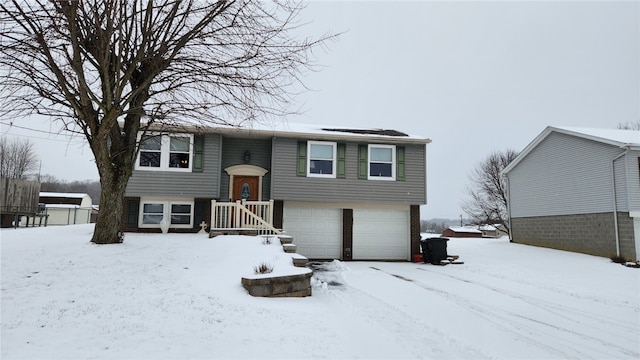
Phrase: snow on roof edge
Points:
(321, 131)
(63, 195)
(615, 137)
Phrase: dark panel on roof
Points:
(384, 132)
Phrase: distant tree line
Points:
(437, 226)
(629, 125)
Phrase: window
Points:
(150, 150)
(321, 159)
(179, 152)
(382, 162)
(152, 214)
(178, 213)
(166, 152)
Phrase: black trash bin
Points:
(434, 250)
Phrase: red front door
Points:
(245, 188)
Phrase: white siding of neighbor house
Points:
(182, 184)
(566, 175)
(632, 162)
(287, 186)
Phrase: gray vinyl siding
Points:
(233, 150)
(287, 186)
(182, 184)
(633, 180)
(566, 175)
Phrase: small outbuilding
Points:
(492, 230)
(462, 231)
(67, 208)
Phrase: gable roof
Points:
(465, 229)
(319, 132)
(624, 139)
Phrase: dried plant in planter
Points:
(263, 268)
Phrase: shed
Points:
(67, 208)
(462, 231)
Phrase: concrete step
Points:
(299, 260)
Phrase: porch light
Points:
(247, 156)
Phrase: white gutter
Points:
(615, 202)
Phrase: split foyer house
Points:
(342, 193)
(578, 189)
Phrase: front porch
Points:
(242, 217)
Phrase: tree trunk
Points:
(107, 228)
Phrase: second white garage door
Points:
(380, 234)
(317, 232)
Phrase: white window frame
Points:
(166, 209)
(165, 154)
(393, 163)
(334, 147)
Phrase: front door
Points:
(245, 187)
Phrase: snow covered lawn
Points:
(179, 297)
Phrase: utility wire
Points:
(12, 125)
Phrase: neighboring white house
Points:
(66, 208)
(578, 189)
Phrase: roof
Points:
(465, 229)
(62, 206)
(321, 132)
(624, 139)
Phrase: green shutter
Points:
(400, 163)
(199, 209)
(341, 167)
(363, 166)
(302, 159)
(198, 153)
(132, 211)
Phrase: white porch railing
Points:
(242, 214)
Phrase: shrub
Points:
(618, 259)
(263, 268)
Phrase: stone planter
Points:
(279, 286)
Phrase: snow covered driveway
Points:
(179, 297)
(457, 314)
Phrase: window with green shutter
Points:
(381, 162)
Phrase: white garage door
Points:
(380, 234)
(317, 232)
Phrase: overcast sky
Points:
(474, 77)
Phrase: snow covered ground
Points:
(178, 296)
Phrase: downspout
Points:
(615, 202)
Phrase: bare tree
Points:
(487, 203)
(629, 126)
(112, 69)
(17, 158)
